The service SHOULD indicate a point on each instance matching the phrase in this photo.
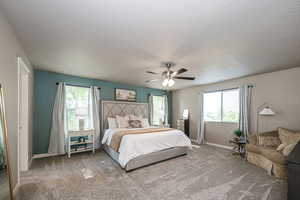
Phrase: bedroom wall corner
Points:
(10, 49)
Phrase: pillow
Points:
(281, 147)
(288, 149)
(133, 117)
(288, 136)
(268, 141)
(122, 122)
(112, 122)
(145, 123)
(135, 124)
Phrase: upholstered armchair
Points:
(262, 151)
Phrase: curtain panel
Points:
(95, 97)
(58, 133)
(245, 106)
(166, 120)
(200, 133)
(2, 149)
(150, 104)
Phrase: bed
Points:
(140, 150)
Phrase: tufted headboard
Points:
(113, 108)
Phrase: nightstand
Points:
(81, 141)
(183, 125)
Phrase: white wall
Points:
(10, 49)
(280, 89)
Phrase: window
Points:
(159, 110)
(221, 106)
(78, 107)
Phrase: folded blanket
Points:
(117, 137)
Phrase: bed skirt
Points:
(147, 159)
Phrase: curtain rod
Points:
(99, 88)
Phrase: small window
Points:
(221, 106)
(230, 108)
(159, 110)
(212, 106)
(78, 107)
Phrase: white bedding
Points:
(135, 145)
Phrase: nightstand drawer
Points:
(183, 125)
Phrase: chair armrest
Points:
(252, 139)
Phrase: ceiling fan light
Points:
(165, 82)
(171, 82)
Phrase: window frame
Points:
(221, 92)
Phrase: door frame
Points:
(23, 72)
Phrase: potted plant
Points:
(238, 133)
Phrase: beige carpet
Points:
(206, 173)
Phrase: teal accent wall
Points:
(44, 96)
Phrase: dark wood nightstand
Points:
(184, 126)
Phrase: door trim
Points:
(21, 66)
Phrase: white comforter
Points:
(135, 145)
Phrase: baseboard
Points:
(44, 155)
(219, 145)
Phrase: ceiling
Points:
(119, 40)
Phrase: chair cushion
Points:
(268, 141)
(273, 155)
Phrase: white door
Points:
(23, 138)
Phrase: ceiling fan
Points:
(168, 75)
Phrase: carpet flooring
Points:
(206, 173)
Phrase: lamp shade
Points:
(267, 111)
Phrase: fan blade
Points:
(180, 71)
(184, 78)
(151, 72)
(149, 81)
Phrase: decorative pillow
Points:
(112, 122)
(122, 121)
(268, 141)
(281, 147)
(145, 123)
(288, 136)
(288, 149)
(135, 124)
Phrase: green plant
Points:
(238, 133)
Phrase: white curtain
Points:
(245, 106)
(166, 110)
(95, 96)
(2, 148)
(200, 132)
(151, 109)
(58, 133)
